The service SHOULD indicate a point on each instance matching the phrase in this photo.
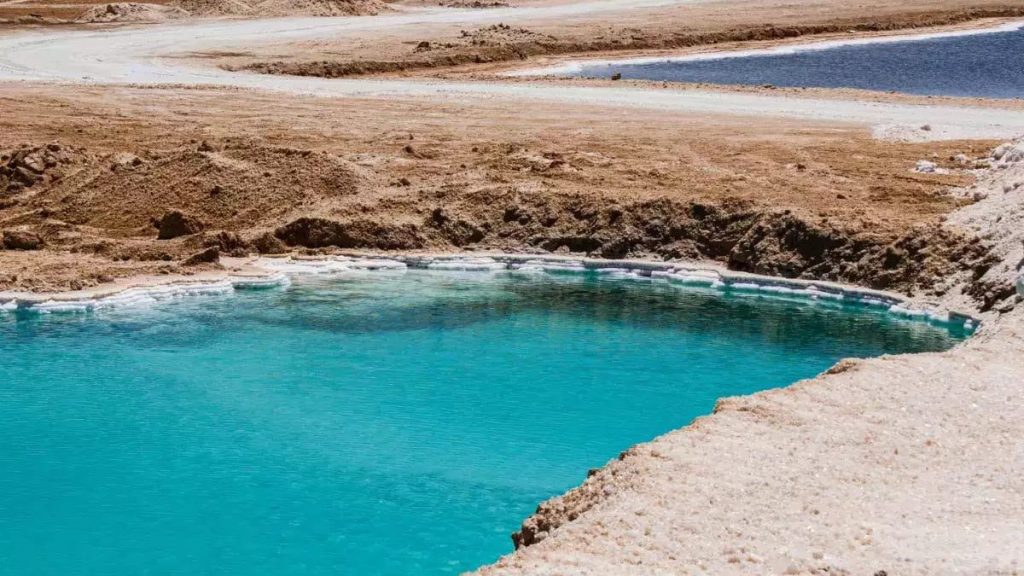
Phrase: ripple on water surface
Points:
(375, 423)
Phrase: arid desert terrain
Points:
(175, 140)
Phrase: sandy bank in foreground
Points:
(902, 465)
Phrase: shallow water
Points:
(374, 423)
(981, 65)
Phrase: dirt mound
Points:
(319, 232)
(475, 4)
(21, 240)
(233, 185)
(29, 166)
(282, 7)
(216, 7)
(132, 12)
(319, 7)
(208, 256)
(176, 223)
(496, 43)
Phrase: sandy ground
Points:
(132, 55)
(129, 152)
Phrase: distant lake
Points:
(979, 65)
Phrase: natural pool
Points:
(369, 422)
(975, 65)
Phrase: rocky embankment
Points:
(907, 464)
(239, 196)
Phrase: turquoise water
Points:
(376, 423)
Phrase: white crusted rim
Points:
(683, 274)
(279, 269)
(142, 295)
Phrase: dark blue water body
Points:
(983, 65)
(379, 423)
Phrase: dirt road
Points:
(143, 55)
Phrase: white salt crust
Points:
(142, 295)
(684, 275)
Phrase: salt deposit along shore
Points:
(270, 272)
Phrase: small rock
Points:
(34, 162)
(210, 255)
(617, 76)
(125, 161)
(19, 240)
(176, 223)
(927, 128)
(226, 241)
(26, 176)
(269, 244)
(1014, 154)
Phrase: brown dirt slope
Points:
(131, 12)
(778, 198)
